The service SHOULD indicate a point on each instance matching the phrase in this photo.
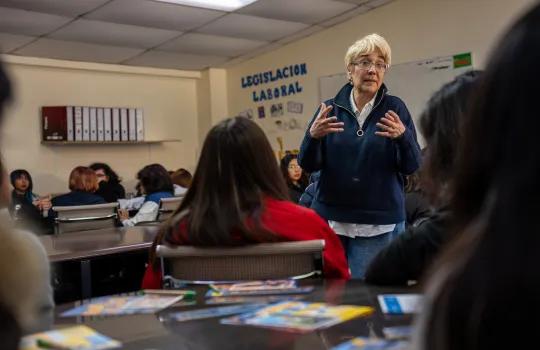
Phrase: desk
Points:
(139, 332)
(89, 250)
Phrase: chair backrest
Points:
(84, 217)
(250, 262)
(167, 206)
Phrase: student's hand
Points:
(391, 126)
(123, 214)
(322, 125)
(45, 203)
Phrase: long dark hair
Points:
(284, 165)
(113, 176)
(16, 174)
(155, 178)
(236, 170)
(441, 123)
(490, 284)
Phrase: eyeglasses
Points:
(366, 65)
(294, 167)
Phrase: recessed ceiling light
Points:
(224, 5)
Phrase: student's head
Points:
(104, 173)
(21, 181)
(181, 177)
(441, 124)
(491, 284)
(236, 169)
(83, 179)
(291, 171)
(154, 178)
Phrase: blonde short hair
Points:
(369, 44)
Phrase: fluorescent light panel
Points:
(224, 5)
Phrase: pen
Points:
(47, 344)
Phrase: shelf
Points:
(94, 143)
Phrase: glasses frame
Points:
(379, 67)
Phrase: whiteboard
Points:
(413, 82)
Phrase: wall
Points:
(415, 29)
(169, 100)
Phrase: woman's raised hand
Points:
(324, 125)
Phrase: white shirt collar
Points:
(355, 108)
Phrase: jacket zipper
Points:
(361, 127)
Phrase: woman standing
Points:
(364, 142)
(295, 177)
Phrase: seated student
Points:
(26, 207)
(238, 197)
(109, 183)
(181, 180)
(83, 185)
(417, 207)
(483, 293)
(411, 254)
(155, 184)
(311, 190)
(24, 267)
(294, 176)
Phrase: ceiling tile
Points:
(23, 22)
(106, 33)
(161, 59)
(68, 50)
(296, 11)
(345, 16)
(251, 27)
(9, 42)
(211, 45)
(301, 34)
(69, 8)
(154, 14)
(378, 3)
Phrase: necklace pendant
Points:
(360, 133)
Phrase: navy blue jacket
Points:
(77, 198)
(361, 177)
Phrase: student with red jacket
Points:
(238, 197)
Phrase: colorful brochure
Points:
(214, 312)
(269, 287)
(128, 305)
(399, 304)
(361, 343)
(75, 338)
(268, 299)
(297, 316)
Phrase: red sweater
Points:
(288, 221)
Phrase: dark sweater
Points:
(361, 177)
(111, 191)
(411, 253)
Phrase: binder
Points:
(86, 123)
(78, 123)
(132, 125)
(54, 123)
(116, 124)
(70, 128)
(107, 124)
(93, 124)
(100, 129)
(140, 124)
(124, 127)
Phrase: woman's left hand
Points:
(390, 125)
(123, 214)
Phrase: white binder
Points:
(132, 125)
(93, 124)
(86, 123)
(100, 130)
(107, 124)
(116, 124)
(78, 123)
(140, 124)
(69, 116)
(124, 128)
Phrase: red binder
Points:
(55, 122)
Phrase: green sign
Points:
(462, 60)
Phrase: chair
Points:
(250, 262)
(167, 206)
(84, 217)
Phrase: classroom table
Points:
(152, 331)
(91, 250)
